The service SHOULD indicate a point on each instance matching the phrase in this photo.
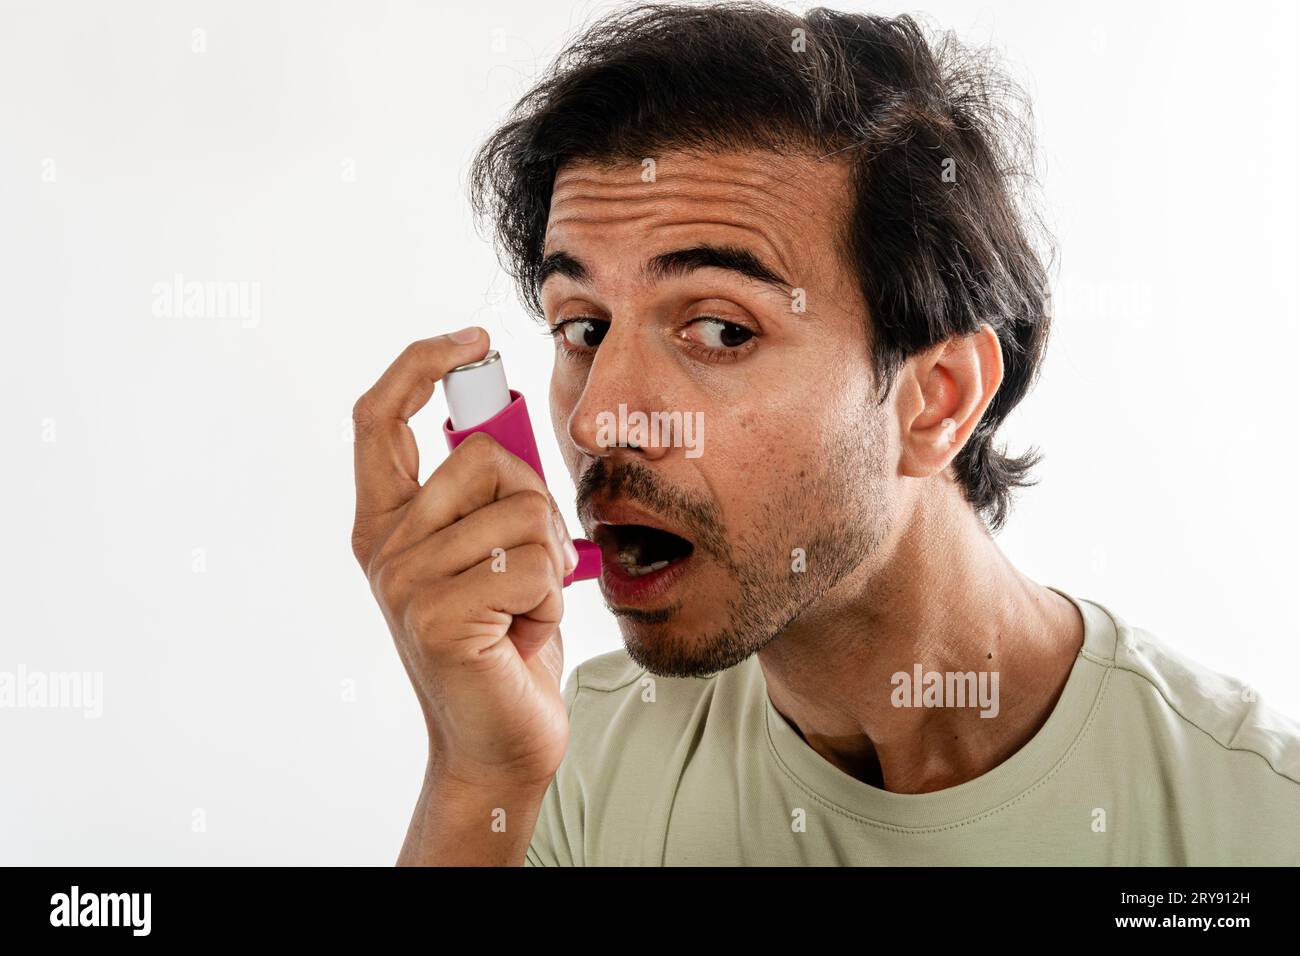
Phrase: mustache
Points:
(631, 481)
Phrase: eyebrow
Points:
(676, 263)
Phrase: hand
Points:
(468, 570)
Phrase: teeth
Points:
(637, 570)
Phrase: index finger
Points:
(386, 457)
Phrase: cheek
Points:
(773, 444)
(779, 456)
(758, 466)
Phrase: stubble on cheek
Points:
(817, 530)
(806, 536)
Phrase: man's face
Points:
(714, 289)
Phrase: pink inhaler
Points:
(478, 400)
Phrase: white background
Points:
(1165, 406)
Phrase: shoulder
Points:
(614, 695)
(604, 674)
(632, 730)
(1201, 723)
(630, 735)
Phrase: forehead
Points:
(786, 208)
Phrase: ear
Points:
(942, 394)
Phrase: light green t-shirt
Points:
(1147, 759)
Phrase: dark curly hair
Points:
(936, 256)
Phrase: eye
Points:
(584, 333)
(721, 334)
(714, 339)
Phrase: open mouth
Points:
(638, 549)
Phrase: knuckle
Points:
(480, 446)
(535, 559)
(363, 408)
(363, 415)
(535, 511)
(361, 542)
(385, 577)
(360, 545)
(421, 616)
(414, 350)
(422, 351)
(394, 573)
(482, 457)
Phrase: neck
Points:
(940, 594)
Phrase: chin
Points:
(676, 648)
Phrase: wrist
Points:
(456, 782)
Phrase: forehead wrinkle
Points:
(727, 173)
(605, 207)
(597, 195)
(765, 197)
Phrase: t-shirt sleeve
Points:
(550, 844)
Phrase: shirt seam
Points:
(1123, 628)
(1174, 708)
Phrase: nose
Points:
(619, 384)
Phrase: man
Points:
(804, 233)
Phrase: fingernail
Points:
(570, 552)
(464, 336)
